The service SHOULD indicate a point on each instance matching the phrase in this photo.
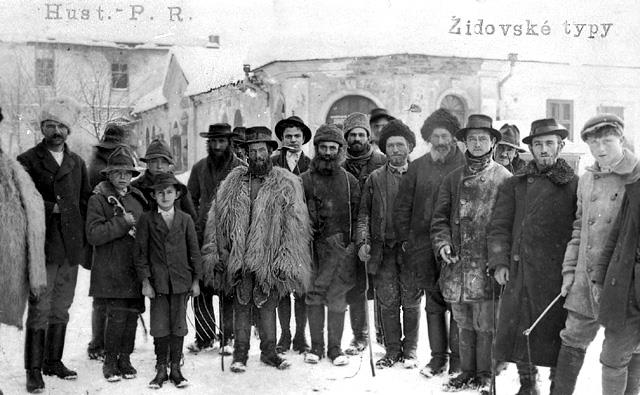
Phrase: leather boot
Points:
(335, 329)
(95, 350)
(33, 356)
(357, 317)
(161, 347)
(53, 365)
(110, 369)
(267, 328)
(316, 328)
(570, 360)
(284, 317)
(437, 331)
(633, 376)
(484, 341)
(467, 348)
(392, 334)
(614, 380)
(242, 331)
(528, 379)
(410, 329)
(127, 344)
(175, 355)
(300, 343)
(454, 355)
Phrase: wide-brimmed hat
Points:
(478, 122)
(546, 126)
(162, 180)
(239, 134)
(259, 134)
(62, 109)
(329, 132)
(356, 120)
(296, 122)
(158, 148)
(600, 121)
(120, 160)
(115, 134)
(217, 130)
(379, 113)
(395, 128)
(511, 137)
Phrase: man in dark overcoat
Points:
(293, 134)
(206, 175)
(527, 238)
(61, 178)
(413, 212)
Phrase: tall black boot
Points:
(633, 376)
(377, 322)
(267, 327)
(570, 360)
(161, 346)
(392, 337)
(300, 343)
(410, 329)
(53, 365)
(335, 329)
(175, 352)
(95, 350)
(528, 379)
(242, 316)
(437, 331)
(357, 317)
(454, 355)
(467, 348)
(284, 317)
(483, 361)
(127, 343)
(33, 356)
(316, 328)
(114, 331)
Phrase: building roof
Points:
(151, 100)
(206, 69)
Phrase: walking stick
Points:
(366, 315)
(222, 343)
(493, 340)
(527, 331)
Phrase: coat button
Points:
(58, 197)
(482, 179)
(613, 281)
(530, 180)
(589, 247)
(516, 258)
(456, 221)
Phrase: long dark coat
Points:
(280, 159)
(618, 266)
(184, 203)
(413, 211)
(529, 232)
(361, 169)
(68, 186)
(113, 272)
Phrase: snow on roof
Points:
(151, 100)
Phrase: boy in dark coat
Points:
(169, 265)
(111, 219)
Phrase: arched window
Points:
(153, 132)
(237, 119)
(457, 106)
(147, 136)
(348, 104)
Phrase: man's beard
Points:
(545, 162)
(358, 148)
(259, 167)
(439, 152)
(219, 157)
(326, 164)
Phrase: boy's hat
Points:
(163, 180)
(120, 160)
(600, 121)
(158, 148)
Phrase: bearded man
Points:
(333, 199)
(206, 176)
(413, 212)
(527, 238)
(252, 205)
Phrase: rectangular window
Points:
(119, 76)
(616, 110)
(44, 71)
(561, 111)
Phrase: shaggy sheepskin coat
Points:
(268, 241)
(21, 241)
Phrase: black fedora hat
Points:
(259, 134)
(296, 122)
(481, 122)
(239, 134)
(379, 113)
(545, 126)
(511, 137)
(217, 130)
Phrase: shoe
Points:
(436, 366)
(300, 344)
(284, 344)
(238, 367)
(35, 383)
(95, 353)
(311, 358)
(465, 380)
(126, 369)
(53, 365)
(482, 382)
(227, 349)
(110, 369)
(276, 361)
(161, 377)
(198, 346)
(388, 361)
(58, 369)
(176, 376)
(340, 360)
(356, 346)
(410, 363)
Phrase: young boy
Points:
(169, 267)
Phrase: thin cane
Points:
(493, 360)
(366, 316)
(222, 343)
(527, 331)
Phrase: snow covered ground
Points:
(205, 376)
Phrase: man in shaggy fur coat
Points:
(257, 245)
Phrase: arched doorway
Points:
(347, 105)
(456, 105)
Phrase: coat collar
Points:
(106, 189)
(160, 225)
(50, 164)
(560, 173)
(628, 167)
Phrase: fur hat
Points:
(61, 109)
(329, 132)
(440, 118)
(356, 120)
(158, 148)
(395, 128)
(114, 134)
(120, 160)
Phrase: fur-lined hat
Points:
(440, 118)
(356, 120)
(329, 132)
(395, 128)
(61, 109)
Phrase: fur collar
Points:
(560, 173)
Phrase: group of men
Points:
(493, 243)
